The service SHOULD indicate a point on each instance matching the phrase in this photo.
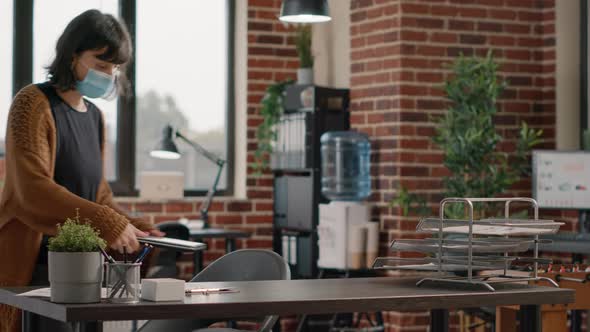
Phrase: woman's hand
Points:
(128, 239)
(155, 232)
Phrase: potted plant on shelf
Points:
(303, 46)
(266, 134)
(469, 140)
(75, 262)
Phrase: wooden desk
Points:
(554, 317)
(296, 297)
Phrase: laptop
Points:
(161, 185)
(170, 243)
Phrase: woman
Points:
(54, 154)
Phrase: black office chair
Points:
(165, 260)
(240, 265)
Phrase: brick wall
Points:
(398, 48)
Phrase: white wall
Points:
(567, 28)
(331, 47)
(241, 103)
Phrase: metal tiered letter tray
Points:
(481, 245)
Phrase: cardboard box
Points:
(341, 235)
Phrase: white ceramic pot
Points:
(75, 277)
(305, 76)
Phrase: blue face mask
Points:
(97, 84)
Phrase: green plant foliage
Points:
(75, 236)
(266, 134)
(468, 137)
(303, 46)
(407, 201)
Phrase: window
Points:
(181, 74)
(5, 66)
(182, 79)
(585, 74)
(50, 21)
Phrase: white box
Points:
(339, 234)
(161, 185)
(162, 289)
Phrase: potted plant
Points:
(467, 135)
(303, 46)
(266, 134)
(75, 262)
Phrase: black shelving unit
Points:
(297, 186)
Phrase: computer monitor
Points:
(561, 179)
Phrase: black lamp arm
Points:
(211, 192)
(207, 203)
(201, 150)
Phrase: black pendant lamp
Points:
(305, 11)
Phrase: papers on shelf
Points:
(493, 230)
(502, 227)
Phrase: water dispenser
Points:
(346, 166)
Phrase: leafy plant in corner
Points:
(468, 138)
(75, 236)
(303, 46)
(408, 201)
(271, 111)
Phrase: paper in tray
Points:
(382, 265)
(500, 227)
(495, 245)
(433, 267)
(521, 222)
(458, 263)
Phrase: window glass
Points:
(51, 18)
(182, 80)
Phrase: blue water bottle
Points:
(346, 166)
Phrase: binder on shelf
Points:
(293, 145)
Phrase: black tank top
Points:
(78, 160)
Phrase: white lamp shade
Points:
(162, 154)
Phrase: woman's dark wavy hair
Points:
(91, 30)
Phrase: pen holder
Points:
(123, 282)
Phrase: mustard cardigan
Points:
(32, 204)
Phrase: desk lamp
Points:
(166, 149)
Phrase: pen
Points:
(210, 290)
(106, 256)
(139, 256)
(143, 254)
